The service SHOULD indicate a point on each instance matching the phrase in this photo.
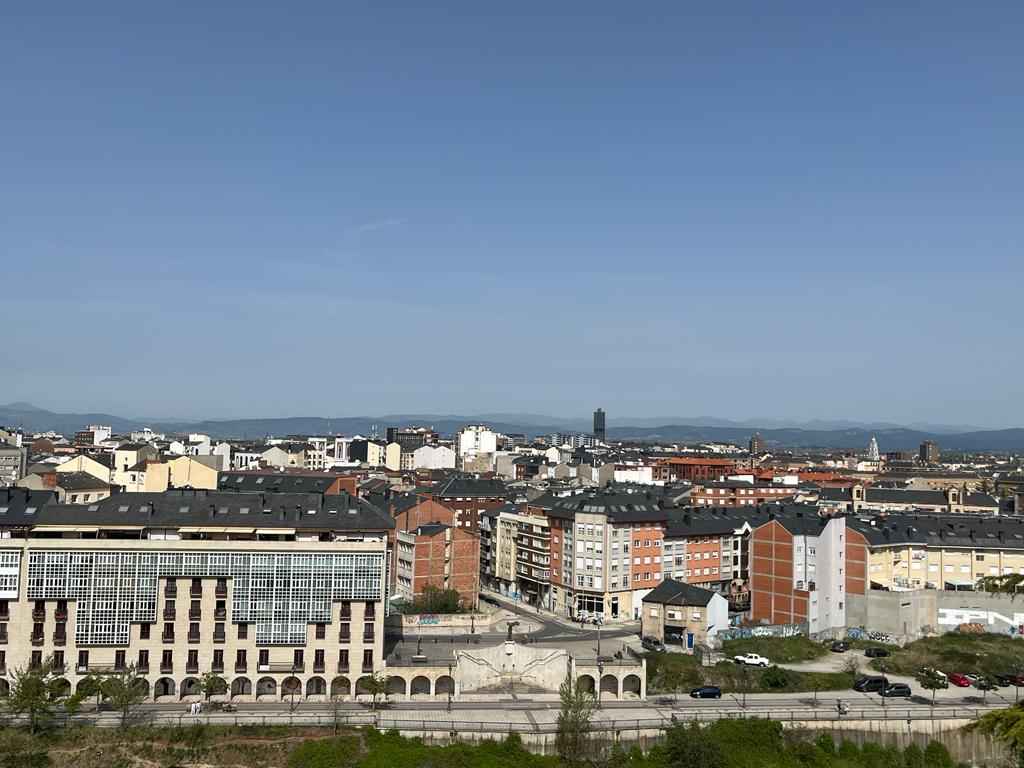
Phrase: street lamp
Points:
(449, 708)
(599, 621)
(292, 682)
(745, 673)
(600, 674)
(885, 684)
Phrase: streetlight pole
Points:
(449, 707)
(293, 680)
(600, 622)
(600, 675)
(885, 684)
(745, 673)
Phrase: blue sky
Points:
(794, 210)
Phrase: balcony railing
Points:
(344, 637)
(193, 637)
(343, 666)
(60, 638)
(38, 614)
(318, 667)
(61, 614)
(169, 614)
(195, 613)
(367, 667)
(170, 591)
(221, 590)
(220, 613)
(217, 666)
(241, 666)
(167, 637)
(280, 667)
(166, 668)
(219, 637)
(192, 668)
(195, 591)
(143, 668)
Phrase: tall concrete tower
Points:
(599, 424)
(873, 454)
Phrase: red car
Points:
(960, 681)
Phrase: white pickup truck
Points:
(752, 659)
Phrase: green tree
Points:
(1007, 584)
(691, 745)
(212, 684)
(1005, 726)
(36, 692)
(985, 683)
(125, 690)
(913, 757)
(376, 685)
(931, 680)
(572, 739)
(826, 744)
(436, 600)
(936, 755)
(776, 679)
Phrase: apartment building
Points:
(468, 496)
(682, 468)
(440, 555)
(281, 594)
(953, 500)
(920, 551)
(739, 493)
(606, 553)
(802, 567)
(12, 463)
(291, 481)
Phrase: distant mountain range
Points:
(776, 433)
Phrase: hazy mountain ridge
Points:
(825, 435)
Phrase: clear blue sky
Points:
(795, 210)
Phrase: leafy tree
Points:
(776, 679)
(931, 680)
(826, 744)
(436, 600)
(936, 755)
(572, 740)
(1006, 584)
(36, 692)
(377, 685)
(692, 746)
(851, 666)
(89, 686)
(125, 690)
(848, 751)
(913, 757)
(985, 683)
(212, 684)
(1005, 726)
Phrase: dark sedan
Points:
(897, 690)
(706, 692)
(876, 653)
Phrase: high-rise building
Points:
(756, 445)
(599, 424)
(929, 452)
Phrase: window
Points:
(83, 659)
(143, 660)
(119, 660)
(243, 631)
(144, 630)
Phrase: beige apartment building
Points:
(908, 551)
(283, 595)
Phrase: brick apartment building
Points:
(737, 493)
(696, 468)
(468, 497)
(439, 554)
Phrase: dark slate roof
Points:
(672, 592)
(468, 486)
(689, 521)
(14, 501)
(132, 446)
(176, 508)
(106, 459)
(76, 481)
(625, 507)
(431, 529)
(967, 531)
(798, 519)
(273, 482)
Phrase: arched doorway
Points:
(396, 685)
(164, 687)
(444, 686)
(585, 683)
(631, 687)
(5, 689)
(291, 686)
(241, 686)
(266, 686)
(610, 686)
(316, 686)
(189, 687)
(420, 685)
(63, 687)
(340, 686)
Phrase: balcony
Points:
(195, 614)
(167, 637)
(220, 613)
(219, 637)
(3, 670)
(319, 667)
(191, 668)
(193, 637)
(60, 638)
(61, 614)
(367, 667)
(368, 638)
(217, 666)
(370, 613)
(38, 614)
(344, 637)
(280, 667)
(194, 591)
(169, 614)
(166, 667)
(343, 666)
(170, 591)
(241, 666)
(221, 590)
(37, 638)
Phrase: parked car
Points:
(840, 646)
(751, 659)
(876, 653)
(874, 684)
(651, 643)
(1003, 681)
(706, 692)
(960, 681)
(897, 690)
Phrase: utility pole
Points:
(600, 674)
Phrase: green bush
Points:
(327, 753)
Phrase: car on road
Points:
(706, 692)
(651, 643)
(751, 659)
(876, 653)
(874, 684)
(960, 681)
(840, 646)
(1005, 681)
(973, 678)
(897, 690)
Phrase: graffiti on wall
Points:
(766, 630)
(429, 618)
(954, 617)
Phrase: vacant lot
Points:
(678, 673)
(965, 654)
(780, 650)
